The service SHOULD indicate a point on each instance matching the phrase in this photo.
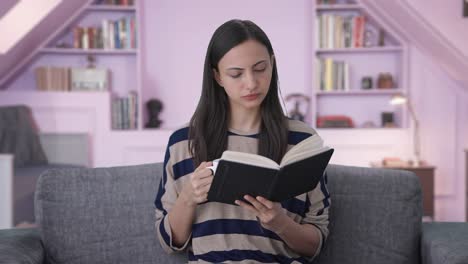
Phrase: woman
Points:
(239, 109)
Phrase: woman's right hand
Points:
(195, 191)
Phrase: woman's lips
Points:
(251, 97)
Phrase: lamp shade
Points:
(398, 99)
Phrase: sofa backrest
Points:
(103, 215)
(106, 215)
(375, 216)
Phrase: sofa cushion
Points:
(375, 216)
(18, 136)
(103, 215)
(21, 246)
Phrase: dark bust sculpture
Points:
(154, 107)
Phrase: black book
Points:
(239, 173)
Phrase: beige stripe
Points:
(298, 126)
(224, 242)
(179, 151)
(243, 144)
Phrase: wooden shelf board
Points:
(111, 8)
(338, 7)
(89, 51)
(361, 50)
(361, 92)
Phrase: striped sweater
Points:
(229, 233)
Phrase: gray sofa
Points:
(106, 215)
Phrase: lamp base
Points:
(416, 162)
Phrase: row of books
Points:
(125, 112)
(51, 78)
(333, 75)
(326, 2)
(115, 2)
(337, 31)
(119, 34)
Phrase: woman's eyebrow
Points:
(237, 68)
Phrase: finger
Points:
(205, 188)
(259, 206)
(203, 165)
(204, 181)
(247, 206)
(267, 203)
(205, 173)
(202, 173)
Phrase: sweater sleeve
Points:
(317, 213)
(165, 199)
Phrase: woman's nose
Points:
(250, 81)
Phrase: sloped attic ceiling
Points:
(408, 23)
(24, 51)
(6, 5)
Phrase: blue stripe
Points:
(326, 194)
(179, 135)
(295, 137)
(241, 255)
(250, 136)
(295, 205)
(232, 226)
(182, 168)
(162, 184)
(163, 232)
(307, 205)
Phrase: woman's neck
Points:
(245, 121)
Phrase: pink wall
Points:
(446, 17)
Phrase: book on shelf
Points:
(339, 31)
(332, 75)
(124, 112)
(237, 173)
(112, 34)
(51, 78)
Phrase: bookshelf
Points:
(107, 31)
(349, 45)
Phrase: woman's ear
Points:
(217, 77)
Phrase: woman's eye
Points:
(236, 76)
(260, 70)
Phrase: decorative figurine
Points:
(154, 107)
(385, 81)
(366, 83)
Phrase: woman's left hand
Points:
(270, 214)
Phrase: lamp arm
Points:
(417, 146)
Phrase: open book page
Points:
(251, 159)
(309, 147)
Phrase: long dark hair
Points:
(208, 128)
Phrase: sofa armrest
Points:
(21, 246)
(444, 243)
